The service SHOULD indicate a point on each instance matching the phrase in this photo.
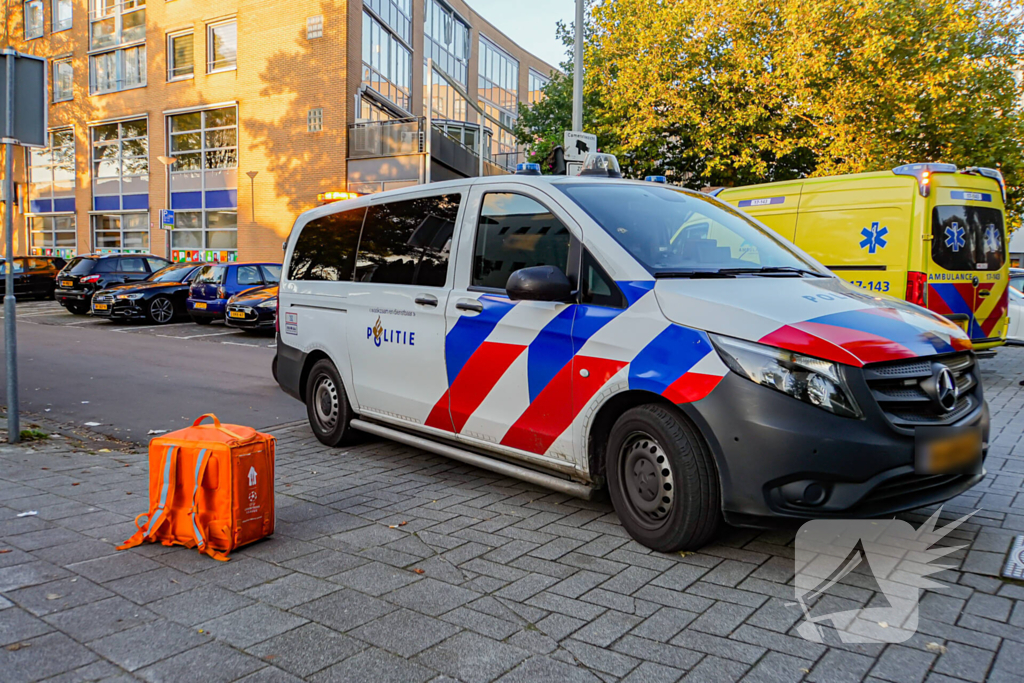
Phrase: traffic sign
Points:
(166, 219)
(573, 168)
(29, 104)
(578, 145)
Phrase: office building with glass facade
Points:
(240, 114)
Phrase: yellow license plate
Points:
(236, 314)
(67, 283)
(99, 307)
(955, 453)
(201, 305)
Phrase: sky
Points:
(530, 23)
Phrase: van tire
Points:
(202, 321)
(77, 307)
(326, 404)
(662, 479)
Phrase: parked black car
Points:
(83, 276)
(253, 309)
(34, 276)
(159, 299)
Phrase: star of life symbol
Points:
(992, 241)
(252, 476)
(955, 237)
(898, 557)
(874, 238)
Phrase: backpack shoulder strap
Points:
(157, 516)
(200, 533)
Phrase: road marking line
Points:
(197, 336)
(151, 327)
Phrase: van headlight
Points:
(811, 380)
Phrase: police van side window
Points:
(408, 242)
(516, 232)
(326, 247)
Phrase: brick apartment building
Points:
(239, 113)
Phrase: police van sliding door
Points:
(396, 306)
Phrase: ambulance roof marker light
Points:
(601, 165)
(528, 168)
(656, 179)
(923, 173)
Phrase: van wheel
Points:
(662, 479)
(326, 404)
(77, 307)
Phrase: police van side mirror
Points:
(539, 283)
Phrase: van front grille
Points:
(897, 389)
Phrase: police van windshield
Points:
(685, 234)
(968, 238)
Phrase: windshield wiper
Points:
(768, 270)
(695, 274)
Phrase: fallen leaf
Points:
(52, 596)
(76, 483)
(5, 551)
(883, 624)
(270, 657)
(402, 523)
(935, 647)
(14, 647)
(127, 493)
(104, 450)
(202, 631)
(419, 571)
(806, 671)
(175, 581)
(45, 468)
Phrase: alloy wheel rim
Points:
(162, 310)
(646, 479)
(325, 403)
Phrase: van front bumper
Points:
(770, 447)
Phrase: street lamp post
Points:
(577, 70)
(168, 162)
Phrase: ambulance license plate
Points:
(99, 307)
(201, 305)
(946, 450)
(67, 284)
(236, 314)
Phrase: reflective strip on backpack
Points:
(195, 527)
(153, 523)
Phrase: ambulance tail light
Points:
(916, 284)
(924, 173)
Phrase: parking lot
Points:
(391, 564)
(52, 313)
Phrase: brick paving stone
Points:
(964, 661)
(472, 658)
(203, 604)
(42, 657)
(251, 625)
(431, 597)
(17, 625)
(715, 670)
(344, 610)
(147, 644)
(213, 662)
(307, 649)
(775, 667)
(404, 632)
(374, 665)
(548, 670)
(98, 619)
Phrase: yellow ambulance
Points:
(928, 233)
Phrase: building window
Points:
(33, 19)
(445, 101)
(397, 14)
(51, 175)
(120, 166)
(63, 80)
(222, 47)
(315, 120)
(114, 23)
(498, 89)
(204, 184)
(371, 111)
(447, 40)
(536, 87)
(315, 27)
(125, 233)
(387, 63)
(118, 70)
(181, 56)
(53, 236)
(61, 15)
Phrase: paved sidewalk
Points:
(390, 564)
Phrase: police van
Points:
(928, 233)
(592, 331)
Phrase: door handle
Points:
(470, 305)
(426, 300)
(984, 293)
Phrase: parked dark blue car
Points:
(216, 283)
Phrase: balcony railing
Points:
(386, 138)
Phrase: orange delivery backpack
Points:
(211, 487)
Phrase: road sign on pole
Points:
(166, 219)
(23, 121)
(578, 145)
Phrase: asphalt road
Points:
(135, 382)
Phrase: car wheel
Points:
(202, 321)
(78, 307)
(326, 404)
(662, 479)
(161, 310)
